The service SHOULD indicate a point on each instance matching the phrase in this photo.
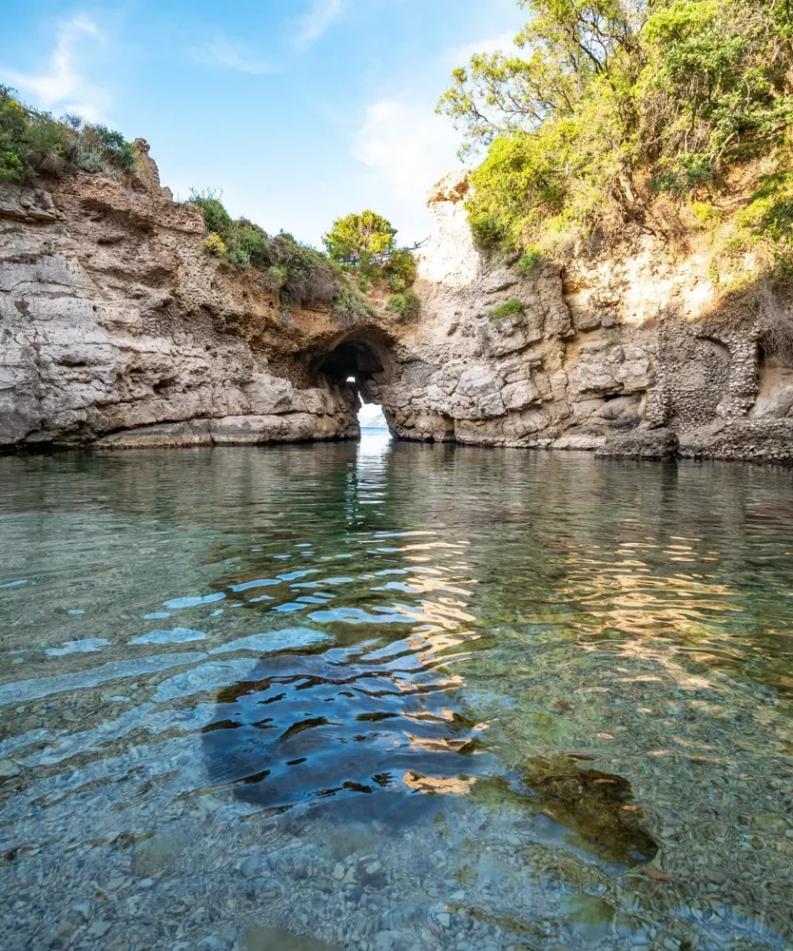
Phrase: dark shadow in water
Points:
(340, 724)
(376, 734)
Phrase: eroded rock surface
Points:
(626, 354)
(118, 329)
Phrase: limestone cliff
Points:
(632, 351)
(118, 329)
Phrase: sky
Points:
(297, 111)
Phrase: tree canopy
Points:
(604, 103)
(360, 240)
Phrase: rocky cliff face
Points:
(118, 329)
(633, 352)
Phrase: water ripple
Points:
(490, 697)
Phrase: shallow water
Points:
(394, 696)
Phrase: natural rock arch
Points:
(362, 360)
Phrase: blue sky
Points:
(299, 111)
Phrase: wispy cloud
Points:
(500, 43)
(223, 53)
(408, 148)
(63, 87)
(315, 22)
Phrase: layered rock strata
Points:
(118, 329)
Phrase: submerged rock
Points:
(593, 810)
(271, 938)
(597, 807)
(642, 444)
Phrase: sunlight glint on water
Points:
(394, 696)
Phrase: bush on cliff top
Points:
(361, 251)
(404, 304)
(33, 143)
(298, 273)
(364, 244)
(607, 103)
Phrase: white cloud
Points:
(315, 22)
(501, 43)
(63, 86)
(227, 55)
(409, 145)
(408, 148)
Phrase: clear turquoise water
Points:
(394, 696)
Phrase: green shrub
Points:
(238, 256)
(216, 218)
(87, 158)
(311, 278)
(510, 308)
(529, 260)
(12, 166)
(400, 269)
(487, 230)
(252, 242)
(682, 174)
(704, 212)
(111, 145)
(404, 304)
(277, 276)
(766, 223)
(32, 143)
(349, 304)
(516, 187)
(770, 212)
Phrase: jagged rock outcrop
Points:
(627, 353)
(118, 329)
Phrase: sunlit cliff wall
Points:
(118, 329)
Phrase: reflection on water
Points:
(394, 696)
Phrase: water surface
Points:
(394, 696)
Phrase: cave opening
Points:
(358, 364)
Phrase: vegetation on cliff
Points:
(365, 244)
(361, 253)
(360, 240)
(300, 274)
(615, 111)
(510, 308)
(33, 142)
